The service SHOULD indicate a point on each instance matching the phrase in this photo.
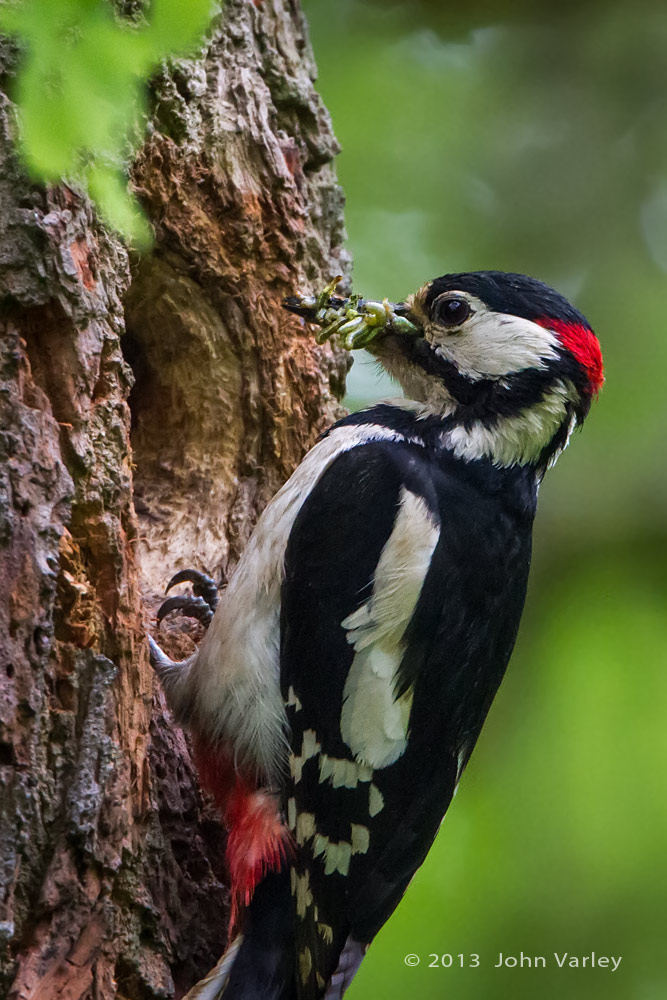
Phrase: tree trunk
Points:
(149, 409)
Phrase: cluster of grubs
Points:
(353, 321)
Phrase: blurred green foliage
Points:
(533, 137)
(81, 90)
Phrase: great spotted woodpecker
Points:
(350, 664)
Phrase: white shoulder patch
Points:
(234, 676)
(373, 722)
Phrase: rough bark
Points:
(149, 408)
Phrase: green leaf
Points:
(176, 27)
(81, 89)
(118, 208)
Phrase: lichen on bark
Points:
(149, 409)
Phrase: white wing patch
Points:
(343, 773)
(233, 678)
(375, 801)
(292, 700)
(373, 722)
(309, 748)
(300, 885)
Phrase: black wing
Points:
(385, 524)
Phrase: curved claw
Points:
(202, 585)
(193, 607)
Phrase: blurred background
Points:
(533, 137)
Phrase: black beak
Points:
(402, 309)
(307, 309)
(297, 305)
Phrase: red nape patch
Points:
(257, 840)
(580, 340)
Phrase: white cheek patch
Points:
(491, 344)
(374, 723)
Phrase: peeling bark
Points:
(148, 410)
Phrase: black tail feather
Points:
(264, 967)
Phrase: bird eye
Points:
(452, 312)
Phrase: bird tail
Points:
(259, 964)
(212, 985)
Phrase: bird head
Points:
(508, 361)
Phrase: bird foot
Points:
(201, 604)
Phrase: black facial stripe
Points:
(420, 353)
(522, 390)
(487, 400)
(508, 293)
